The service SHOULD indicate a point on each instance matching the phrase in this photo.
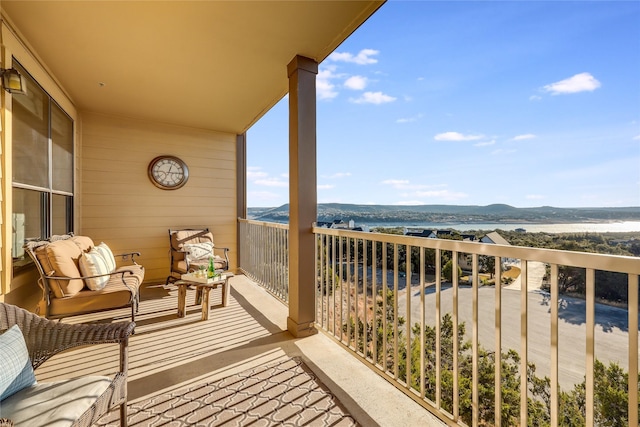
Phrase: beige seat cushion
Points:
(114, 294)
(60, 258)
(132, 280)
(56, 404)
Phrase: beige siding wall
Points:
(120, 206)
(114, 200)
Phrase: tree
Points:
(384, 338)
(487, 264)
(611, 383)
(447, 271)
(571, 279)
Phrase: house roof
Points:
(495, 238)
(205, 64)
(423, 233)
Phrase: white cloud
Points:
(635, 138)
(271, 182)
(456, 136)
(255, 172)
(409, 119)
(485, 144)
(325, 186)
(535, 98)
(534, 196)
(523, 137)
(583, 82)
(356, 83)
(373, 98)
(324, 88)
(363, 57)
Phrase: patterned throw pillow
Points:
(105, 251)
(16, 371)
(93, 263)
(198, 251)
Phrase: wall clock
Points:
(168, 172)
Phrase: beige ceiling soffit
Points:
(6, 22)
(346, 34)
(264, 111)
(324, 54)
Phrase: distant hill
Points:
(452, 213)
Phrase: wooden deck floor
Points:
(169, 353)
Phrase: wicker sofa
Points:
(67, 291)
(73, 402)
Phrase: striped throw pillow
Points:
(93, 263)
(105, 251)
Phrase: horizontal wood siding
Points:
(119, 204)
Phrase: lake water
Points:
(604, 227)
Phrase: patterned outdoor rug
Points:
(280, 394)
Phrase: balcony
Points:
(370, 373)
(168, 354)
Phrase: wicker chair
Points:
(44, 338)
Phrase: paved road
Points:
(610, 334)
(535, 274)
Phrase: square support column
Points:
(241, 191)
(303, 198)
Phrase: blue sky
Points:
(472, 103)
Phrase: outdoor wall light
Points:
(13, 82)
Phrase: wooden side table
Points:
(202, 292)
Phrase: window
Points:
(42, 165)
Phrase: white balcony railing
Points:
(438, 340)
(264, 255)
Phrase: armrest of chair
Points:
(125, 256)
(54, 337)
(113, 273)
(226, 253)
(45, 337)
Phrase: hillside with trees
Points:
(394, 214)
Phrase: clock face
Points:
(168, 172)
